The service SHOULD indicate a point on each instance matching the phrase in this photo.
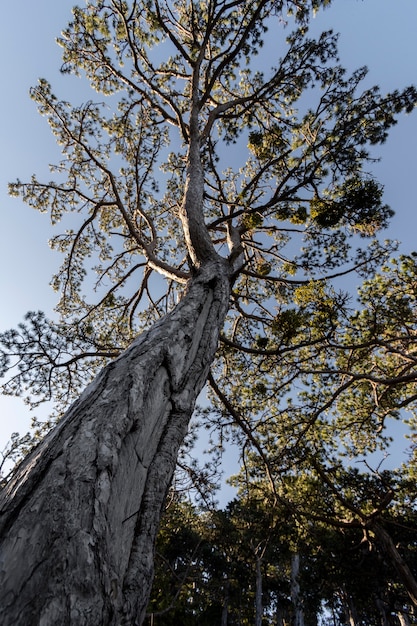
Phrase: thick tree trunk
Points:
(78, 521)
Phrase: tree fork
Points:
(82, 511)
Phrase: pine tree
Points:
(187, 191)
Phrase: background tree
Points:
(207, 562)
(349, 390)
(159, 211)
(233, 573)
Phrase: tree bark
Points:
(401, 567)
(403, 619)
(79, 519)
(258, 591)
(225, 607)
(380, 605)
(295, 591)
(349, 608)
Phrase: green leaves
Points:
(357, 202)
(289, 323)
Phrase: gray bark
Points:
(258, 593)
(295, 591)
(79, 519)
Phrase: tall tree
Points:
(155, 205)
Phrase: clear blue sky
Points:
(377, 33)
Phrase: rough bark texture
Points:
(79, 520)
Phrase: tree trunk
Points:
(258, 592)
(403, 619)
(349, 608)
(225, 607)
(295, 591)
(78, 521)
(401, 567)
(380, 605)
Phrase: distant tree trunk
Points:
(380, 605)
(282, 617)
(295, 591)
(349, 608)
(403, 619)
(351, 617)
(401, 567)
(225, 607)
(79, 519)
(258, 592)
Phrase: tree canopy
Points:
(283, 154)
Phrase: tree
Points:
(349, 385)
(160, 211)
(229, 567)
(346, 540)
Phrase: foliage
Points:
(330, 380)
(170, 76)
(205, 563)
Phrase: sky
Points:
(376, 33)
